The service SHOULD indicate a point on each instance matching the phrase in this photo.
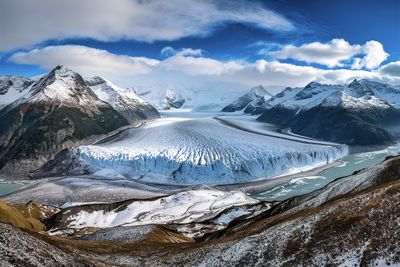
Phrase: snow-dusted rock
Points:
(125, 101)
(357, 113)
(183, 207)
(173, 99)
(249, 101)
(12, 88)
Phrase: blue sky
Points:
(353, 38)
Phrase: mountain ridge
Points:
(58, 111)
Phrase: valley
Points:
(121, 171)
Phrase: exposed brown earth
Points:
(360, 225)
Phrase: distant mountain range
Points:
(250, 101)
(40, 118)
(360, 113)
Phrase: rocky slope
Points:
(351, 221)
(126, 102)
(250, 101)
(12, 88)
(356, 114)
(59, 111)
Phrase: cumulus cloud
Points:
(330, 54)
(392, 69)
(188, 68)
(374, 56)
(335, 53)
(26, 22)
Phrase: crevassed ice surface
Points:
(203, 150)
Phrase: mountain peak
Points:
(64, 85)
(312, 84)
(259, 90)
(95, 80)
(355, 83)
(358, 90)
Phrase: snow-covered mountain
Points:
(125, 101)
(64, 87)
(56, 112)
(250, 101)
(211, 97)
(356, 113)
(12, 88)
(173, 99)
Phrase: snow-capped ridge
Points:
(12, 88)
(125, 101)
(249, 101)
(64, 86)
(362, 94)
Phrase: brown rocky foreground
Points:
(353, 220)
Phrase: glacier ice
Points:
(202, 150)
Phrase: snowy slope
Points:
(64, 86)
(312, 95)
(197, 151)
(384, 91)
(357, 94)
(357, 114)
(125, 101)
(205, 98)
(286, 94)
(58, 111)
(12, 88)
(249, 101)
(184, 207)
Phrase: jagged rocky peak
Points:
(173, 99)
(260, 91)
(15, 82)
(250, 101)
(65, 74)
(66, 86)
(358, 90)
(312, 84)
(96, 80)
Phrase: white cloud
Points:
(85, 60)
(188, 68)
(392, 69)
(330, 54)
(26, 22)
(335, 53)
(374, 56)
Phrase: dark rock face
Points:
(338, 124)
(33, 133)
(133, 109)
(173, 100)
(346, 126)
(8, 81)
(34, 130)
(340, 116)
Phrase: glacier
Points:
(205, 151)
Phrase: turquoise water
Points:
(306, 184)
(8, 188)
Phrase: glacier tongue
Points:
(198, 151)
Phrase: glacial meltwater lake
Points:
(6, 188)
(305, 184)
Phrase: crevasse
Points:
(203, 151)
